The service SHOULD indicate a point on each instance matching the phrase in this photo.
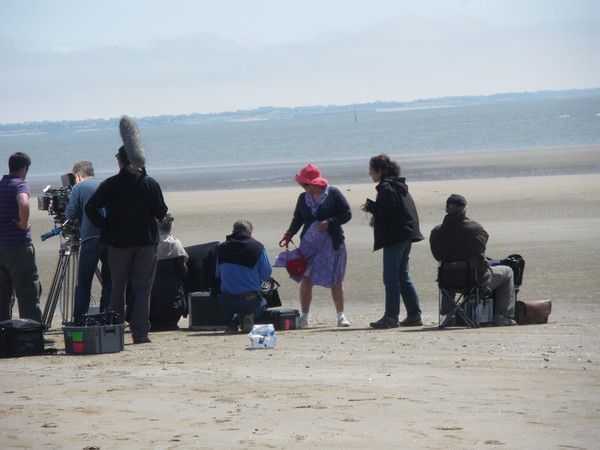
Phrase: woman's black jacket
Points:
(395, 217)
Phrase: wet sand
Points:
(513, 387)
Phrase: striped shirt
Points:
(10, 233)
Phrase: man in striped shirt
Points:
(18, 270)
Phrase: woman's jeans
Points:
(397, 281)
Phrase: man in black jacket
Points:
(459, 238)
(133, 202)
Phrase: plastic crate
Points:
(94, 340)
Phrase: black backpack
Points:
(21, 337)
(517, 264)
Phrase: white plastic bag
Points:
(262, 336)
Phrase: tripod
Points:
(62, 289)
(63, 284)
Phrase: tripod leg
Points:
(68, 292)
(51, 299)
(56, 289)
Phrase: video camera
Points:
(54, 200)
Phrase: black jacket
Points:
(459, 238)
(395, 217)
(132, 203)
(335, 210)
(239, 248)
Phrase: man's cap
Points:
(457, 200)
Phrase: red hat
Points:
(311, 175)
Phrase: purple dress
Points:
(326, 266)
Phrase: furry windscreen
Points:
(132, 141)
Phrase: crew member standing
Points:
(18, 270)
(133, 202)
(91, 249)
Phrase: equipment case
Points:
(281, 318)
(93, 340)
(205, 313)
(21, 337)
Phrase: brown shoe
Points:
(413, 320)
(247, 323)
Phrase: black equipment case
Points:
(21, 337)
(281, 318)
(205, 313)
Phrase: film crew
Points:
(242, 265)
(167, 302)
(133, 202)
(395, 228)
(18, 270)
(459, 238)
(92, 250)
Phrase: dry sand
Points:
(512, 387)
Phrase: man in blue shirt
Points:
(91, 250)
(18, 271)
(242, 265)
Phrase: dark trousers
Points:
(18, 273)
(134, 265)
(242, 304)
(398, 282)
(90, 252)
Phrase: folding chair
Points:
(457, 281)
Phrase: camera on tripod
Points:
(54, 200)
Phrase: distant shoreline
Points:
(467, 165)
(282, 112)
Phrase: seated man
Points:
(457, 239)
(242, 265)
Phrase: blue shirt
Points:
(79, 196)
(10, 233)
(237, 279)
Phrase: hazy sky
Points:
(87, 59)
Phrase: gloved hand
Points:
(285, 240)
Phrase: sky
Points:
(68, 60)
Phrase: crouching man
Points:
(242, 265)
(459, 238)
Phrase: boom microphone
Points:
(132, 142)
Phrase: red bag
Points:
(295, 266)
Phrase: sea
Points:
(259, 152)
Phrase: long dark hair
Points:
(382, 163)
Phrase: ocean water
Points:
(232, 154)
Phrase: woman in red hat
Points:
(321, 210)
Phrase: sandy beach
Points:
(534, 386)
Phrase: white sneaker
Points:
(342, 321)
(303, 321)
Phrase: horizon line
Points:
(283, 108)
